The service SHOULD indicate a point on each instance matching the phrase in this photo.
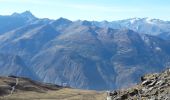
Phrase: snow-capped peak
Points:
(149, 20)
(134, 20)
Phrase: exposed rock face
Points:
(152, 87)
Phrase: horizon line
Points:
(10, 14)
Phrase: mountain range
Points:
(84, 54)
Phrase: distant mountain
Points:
(140, 25)
(14, 65)
(26, 15)
(165, 35)
(61, 23)
(16, 20)
(27, 40)
(84, 54)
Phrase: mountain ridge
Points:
(82, 53)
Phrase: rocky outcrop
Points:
(152, 87)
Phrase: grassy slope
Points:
(62, 94)
(38, 91)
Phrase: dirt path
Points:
(13, 87)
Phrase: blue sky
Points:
(89, 9)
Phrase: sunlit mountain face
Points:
(84, 54)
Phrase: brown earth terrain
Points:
(17, 88)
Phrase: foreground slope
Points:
(152, 87)
(17, 88)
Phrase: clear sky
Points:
(89, 9)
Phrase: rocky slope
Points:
(152, 87)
